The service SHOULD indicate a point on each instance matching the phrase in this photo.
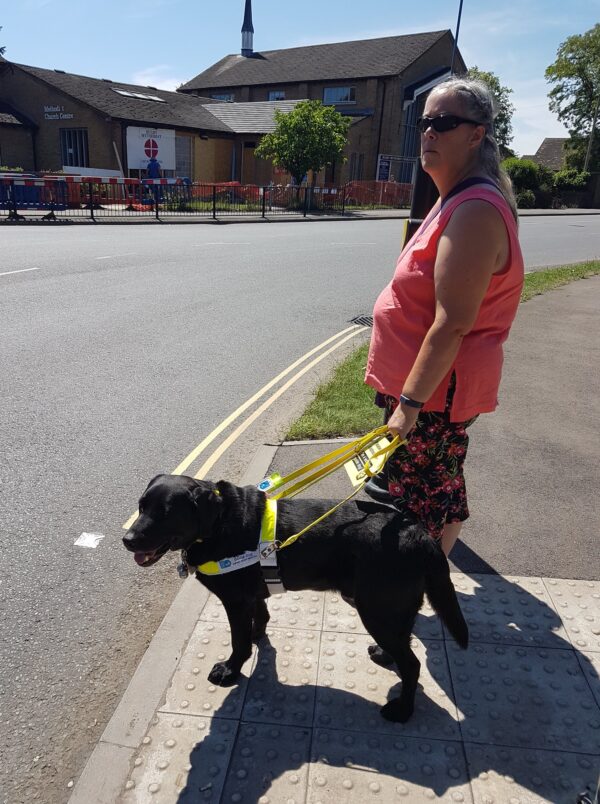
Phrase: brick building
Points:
(53, 120)
(382, 83)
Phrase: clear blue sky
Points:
(166, 42)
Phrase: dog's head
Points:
(209, 520)
(175, 511)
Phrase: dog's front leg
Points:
(239, 614)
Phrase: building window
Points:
(276, 94)
(224, 96)
(333, 95)
(74, 147)
(183, 157)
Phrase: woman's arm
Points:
(474, 246)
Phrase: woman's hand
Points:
(402, 420)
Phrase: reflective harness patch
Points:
(265, 553)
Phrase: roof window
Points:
(138, 95)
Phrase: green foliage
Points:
(534, 184)
(576, 94)
(570, 179)
(6, 169)
(525, 199)
(309, 137)
(524, 173)
(576, 148)
(503, 121)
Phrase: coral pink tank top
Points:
(405, 310)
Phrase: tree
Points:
(503, 121)
(575, 98)
(309, 137)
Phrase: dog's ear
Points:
(208, 505)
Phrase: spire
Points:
(247, 30)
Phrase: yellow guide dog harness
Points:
(268, 545)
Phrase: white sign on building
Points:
(145, 143)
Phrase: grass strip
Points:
(343, 406)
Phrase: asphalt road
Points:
(121, 347)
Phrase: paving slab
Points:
(578, 603)
(190, 692)
(351, 689)
(525, 776)
(349, 767)
(509, 611)
(182, 758)
(282, 687)
(529, 697)
(269, 765)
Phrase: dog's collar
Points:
(264, 551)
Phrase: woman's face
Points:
(448, 150)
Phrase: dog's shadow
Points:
(266, 748)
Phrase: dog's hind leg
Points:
(397, 644)
(260, 619)
(239, 614)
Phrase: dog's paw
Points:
(398, 711)
(222, 675)
(379, 656)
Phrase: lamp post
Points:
(456, 37)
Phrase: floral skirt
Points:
(425, 475)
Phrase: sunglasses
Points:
(443, 122)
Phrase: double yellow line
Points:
(337, 340)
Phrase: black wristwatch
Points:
(412, 403)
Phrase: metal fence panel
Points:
(97, 198)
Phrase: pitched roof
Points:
(551, 153)
(171, 108)
(251, 118)
(365, 58)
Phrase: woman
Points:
(439, 326)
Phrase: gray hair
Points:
(479, 104)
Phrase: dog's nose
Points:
(128, 540)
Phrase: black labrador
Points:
(366, 551)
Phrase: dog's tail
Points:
(442, 595)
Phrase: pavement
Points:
(515, 719)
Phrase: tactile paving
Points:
(578, 603)
(509, 611)
(282, 686)
(530, 697)
(525, 776)
(351, 689)
(349, 767)
(269, 765)
(290, 610)
(182, 758)
(343, 618)
(297, 610)
(190, 691)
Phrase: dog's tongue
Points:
(140, 558)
